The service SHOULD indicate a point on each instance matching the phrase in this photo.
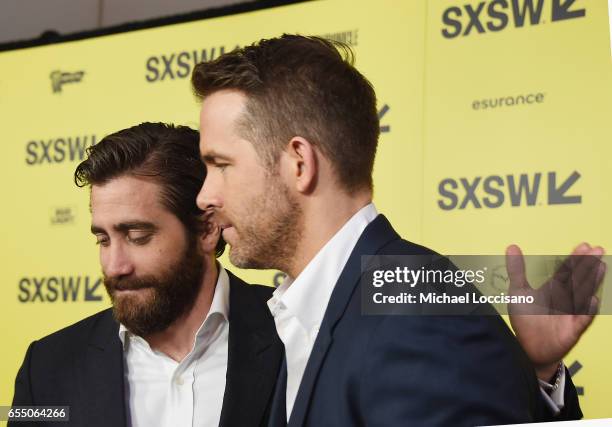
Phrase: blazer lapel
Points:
(100, 377)
(378, 233)
(254, 357)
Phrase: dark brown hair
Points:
(301, 86)
(166, 153)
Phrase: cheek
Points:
(103, 256)
(165, 249)
(149, 261)
(152, 256)
(250, 188)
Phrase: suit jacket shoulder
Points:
(422, 370)
(80, 366)
(54, 354)
(254, 356)
(262, 292)
(68, 339)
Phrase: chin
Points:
(238, 260)
(242, 260)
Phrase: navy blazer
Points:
(81, 366)
(394, 370)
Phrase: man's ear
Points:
(303, 165)
(209, 237)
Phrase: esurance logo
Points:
(496, 15)
(495, 191)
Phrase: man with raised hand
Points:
(289, 131)
(186, 342)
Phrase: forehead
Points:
(126, 196)
(219, 117)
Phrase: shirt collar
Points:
(306, 297)
(219, 304)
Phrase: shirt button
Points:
(179, 381)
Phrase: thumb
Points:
(515, 266)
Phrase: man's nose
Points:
(209, 195)
(116, 262)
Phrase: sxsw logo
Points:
(59, 289)
(496, 15)
(59, 79)
(58, 150)
(495, 191)
(178, 65)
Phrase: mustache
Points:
(128, 284)
(213, 217)
(207, 214)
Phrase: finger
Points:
(584, 264)
(563, 273)
(581, 249)
(582, 322)
(603, 267)
(561, 296)
(559, 293)
(598, 266)
(558, 289)
(575, 256)
(586, 279)
(515, 266)
(573, 268)
(594, 306)
(601, 273)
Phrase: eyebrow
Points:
(127, 226)
(213, 157)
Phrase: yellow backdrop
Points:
(496, 120)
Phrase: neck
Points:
(321, 224)
(178, 339)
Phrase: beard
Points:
(271, 230)
(162, 298)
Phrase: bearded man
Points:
(186, 342)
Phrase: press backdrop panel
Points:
(517, 149)
(429, 67)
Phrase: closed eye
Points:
(102, 240)
(139, 237)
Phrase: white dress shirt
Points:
(554, 399)
(298, 305)
(163, 392)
